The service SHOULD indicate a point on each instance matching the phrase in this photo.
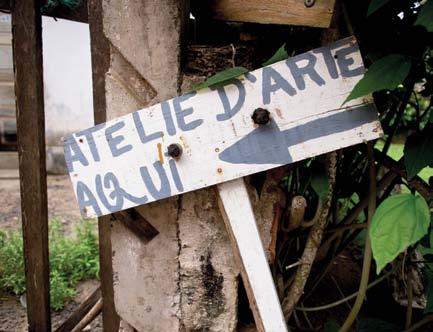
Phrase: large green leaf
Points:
(385, 73)
(222, 77)
(279, 55)
(320, 184)
(375, 5)
(425, 16)
(418, 151)
(400, 221)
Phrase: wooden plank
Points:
(89, 317)
(27, 52)
(293, 12)
(248, 251)
(124, 162)
(100, 51)
(137, 224)
(80, 312)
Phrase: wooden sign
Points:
(125, 162)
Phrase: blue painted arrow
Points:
(269, 145)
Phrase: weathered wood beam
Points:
(29, 90)
(137, 224)
(89, 317)
(238, 216)
(293, 12)
(79, 14)
(100, 51)
(79, 313)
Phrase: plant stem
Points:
(409, 300)
(313, 242)
(398, 118)
(367, 252)
(416, 326)
(347, 298)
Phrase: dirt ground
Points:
(61, 205)
(61, 200)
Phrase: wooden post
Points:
(27, 51)
(100, 51)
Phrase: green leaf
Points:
(431, 233)
(425, 16)
(222, 77)
(376, 325)
(279, 55)
(331, 326)
(425, 251)
(375, 5)
(418, 151)
(320, 184)
(385, 73)
(400, 221)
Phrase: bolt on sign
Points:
(275, 115)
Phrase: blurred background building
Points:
(67, 89)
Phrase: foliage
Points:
(320, 181)
(396, 41)
(72, 259)
(418, 151)
(428, 277)
(396, 151)
(425, 16)
(385, 73)
(331, 326)
(400, 221)
(376, 325)
(375, 5)
(11, 262)
(279, 55)
(222, 77)
(51, 5)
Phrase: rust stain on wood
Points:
(160, 154)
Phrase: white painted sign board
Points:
(124, 163)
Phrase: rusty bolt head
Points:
(309, 3)
(174, 150)
(261, 116)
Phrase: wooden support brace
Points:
(137, 224)
(79, 313)
(89, 317)
(248, 250)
